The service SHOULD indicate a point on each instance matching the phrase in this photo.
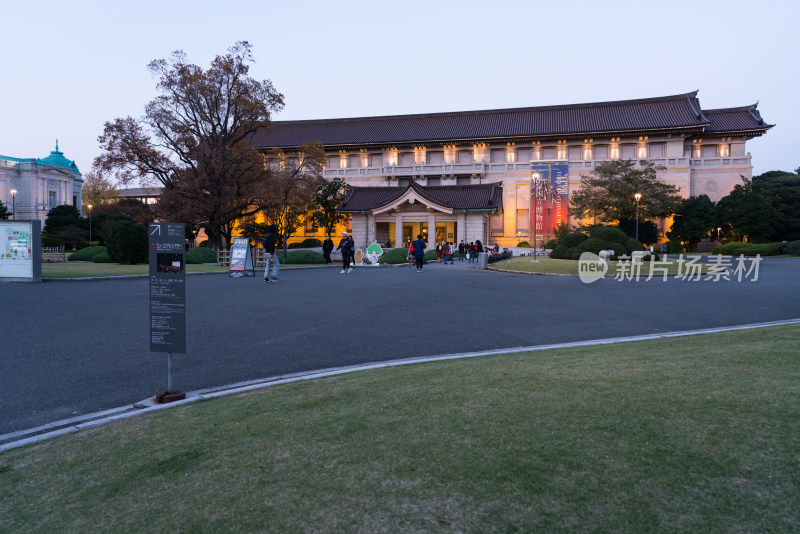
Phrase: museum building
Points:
(31, 187)
(468, 175)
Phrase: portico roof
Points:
(447, 198)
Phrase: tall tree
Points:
(287, 197)
(194, 141)
(748, 214)
(328, 196)
(695, 218)
(608, 193)
(97, 191)
(782, 191)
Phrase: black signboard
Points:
(241, 258)
(167, 287)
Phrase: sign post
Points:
(20, 251)
(167, 297)
(241, 258)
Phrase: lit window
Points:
(587, 152)
(561, 152)
(523, 221)
(697, 151)
(52, 198)
(641, 151)
(613, 151)
(724, 150)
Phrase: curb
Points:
(21, 438)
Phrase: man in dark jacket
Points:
(346, 246)
(271, 269)
(327, 248)
(419, 252)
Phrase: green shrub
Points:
(127, 243)
(102, 257)
(524, 244)
(559, 253)
(610, 234)
(201, 255)
(748, 249)
(302, 257)
(572, 254)
(595, 245)
(430, 255)
(574, 239)
(394, 256)
(85, 254)
(311, 242)
(792, 247)
(673, 247)
(49, 240)
(631, 244)
(551, 244)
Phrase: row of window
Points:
(502, 155)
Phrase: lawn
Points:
(547, 265)
(694, 434)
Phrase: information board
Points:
(20, 251)
(167, 287)
(241, 258)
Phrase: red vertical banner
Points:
(549, 200)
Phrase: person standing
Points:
(419, 252)
(346, 246)
(461, 250)
(327, 248)
(450, 251)
(271, 260)
(439, 248)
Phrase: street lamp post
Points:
(14, 204)
(637, 196)
(89, 206)
(535, 176)
(718, 229)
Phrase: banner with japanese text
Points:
(549, 200)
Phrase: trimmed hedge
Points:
(553, 243)
(103, 257)
(127, 243)
(673, 247)
(792, 247)
(201, 255)
(86, 254)
(574, 239)
(524, 244)
(302, 257)
(748, 249)
(610, 234)
(394, 256)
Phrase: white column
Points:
(432, 230)
(398, 230)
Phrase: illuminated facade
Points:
(40, 184)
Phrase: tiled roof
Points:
(678, 112)
(458, 197)
(746, 118)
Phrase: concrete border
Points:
(67, 426)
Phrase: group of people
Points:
(466, 251)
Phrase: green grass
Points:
(695, 434)
(552, 266)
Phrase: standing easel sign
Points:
(167, 296)
(241, 258)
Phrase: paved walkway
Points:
(76, 348)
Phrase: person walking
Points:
(419, 252)
(271, 260)
(327, 248)
(346, 246)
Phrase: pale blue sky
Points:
(70, 66)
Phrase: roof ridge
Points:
(689, 95)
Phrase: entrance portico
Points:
(438, 213)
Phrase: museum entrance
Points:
(446, 231)
(412, 229)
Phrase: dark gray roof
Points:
(733, 120)
(679, 112)
(481, 197)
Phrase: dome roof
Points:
(57, 159)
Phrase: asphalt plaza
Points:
(79, 347)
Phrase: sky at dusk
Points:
(68, 67)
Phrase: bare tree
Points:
(194, 141)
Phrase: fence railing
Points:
(53, 254)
